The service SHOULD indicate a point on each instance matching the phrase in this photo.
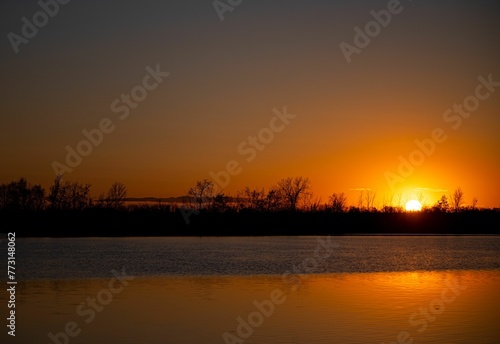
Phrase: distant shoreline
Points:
(162, 222)
(250, 236)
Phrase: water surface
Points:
(198, 290)
(96, 257)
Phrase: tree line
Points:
(67, 209)
(292, 194)
(288, 194)
(20, 195)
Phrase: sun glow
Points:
(413, 205)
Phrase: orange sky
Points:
(353, 121)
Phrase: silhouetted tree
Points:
(201, 193)
(79, 195)
(338, 202)
(311, 202)
(370, 196)
(457, 199)
(274, 200)
(421, 198)
(219, 203)
(4, 196)
(389, 209)
(387, 201)
(353, 209)
(442, 205)
(101, 201)
(293, 189)
(69, 195)
(37, 198)
(474, 203)
(55, 193)
(116, 195)
(251, 199)
(20, 195)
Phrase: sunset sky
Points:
(352, 121)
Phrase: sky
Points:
(273, 90)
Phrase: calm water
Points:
(194, 290)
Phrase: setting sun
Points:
(413, 205)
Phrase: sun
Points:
(413, 205)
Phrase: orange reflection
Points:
(332, 308)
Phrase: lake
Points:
(367, 289)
